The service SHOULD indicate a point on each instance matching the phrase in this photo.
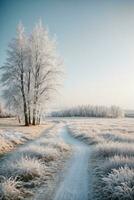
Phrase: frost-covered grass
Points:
(13, 134)
(32, 164)
(117, 162)
(11, 189)
(9, 139)
(41, 152)
(108, 149)
(112, 155)
(119, 184)
(26, 168)
(4, 145)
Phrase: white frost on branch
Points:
(31, 73)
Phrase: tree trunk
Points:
(34, 116)
(29, 87)
(19, 119)
(24, 100)
(39, 117)
(29, 115)
(35, 103)
(25, 109)
(36, 87)
(26, 117)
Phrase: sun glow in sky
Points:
(95, 39)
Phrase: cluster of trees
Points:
(90, 111)
(31, 73)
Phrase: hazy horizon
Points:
(95, 40)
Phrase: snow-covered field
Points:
(9, 139)
(32, 171)
(112, 157)
(13, 134)
(23, 171)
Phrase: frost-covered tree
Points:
(31, 73)
(46, 67)
(14, 70)
(90, 111)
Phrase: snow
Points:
(75, 185)
(9, 139)
(11, 135)
(41, 158)
(112, 156)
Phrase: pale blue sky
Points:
(95, 39)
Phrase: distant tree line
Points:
(90, 111)
(31, 73)
(129, 113)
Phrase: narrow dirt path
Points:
(76, 184)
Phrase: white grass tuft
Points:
(45, 153)
(26, 168)
(10, 189)
(119, 184)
